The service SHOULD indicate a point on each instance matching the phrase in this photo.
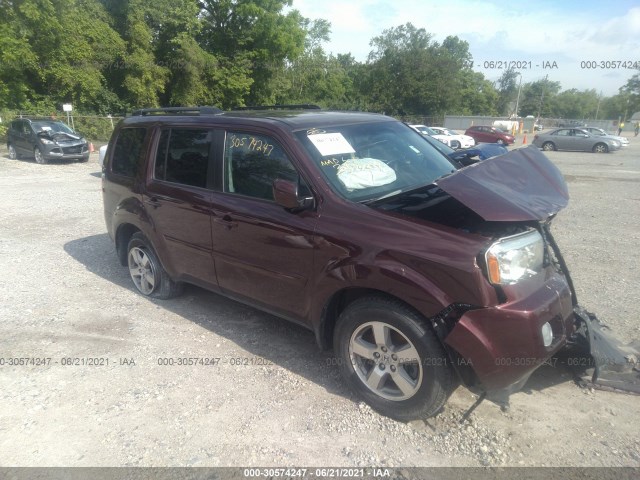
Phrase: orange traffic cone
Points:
(524, 140)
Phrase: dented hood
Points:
(522, 185)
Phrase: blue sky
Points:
(538, 31)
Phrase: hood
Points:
(59, 136)
(522, 185)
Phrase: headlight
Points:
(47, 142)
(513, 258)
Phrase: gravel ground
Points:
(64, 296)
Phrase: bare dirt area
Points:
(99, 389)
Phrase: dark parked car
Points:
(486, 134)
(468, 156)
(575, 139)
(45, 140)
(419, 275)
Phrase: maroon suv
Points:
(419, 274)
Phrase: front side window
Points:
(127, 152)
(366, 161)
(253, 162)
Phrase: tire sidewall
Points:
(596, 147)
(137, 240)
(425, 401)
(37, 151)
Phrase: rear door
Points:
(177, 198)
(263, 253)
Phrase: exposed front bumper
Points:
(504, 344)
(66, 152)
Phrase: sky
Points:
(562, 39)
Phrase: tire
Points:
(548, 146)
(423, 386)
(13, 154)
(500, 141)
(146, 271)
(455, 144)
(37, 154)
(600, 148)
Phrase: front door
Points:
(263, 253)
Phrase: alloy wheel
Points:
(386, 361)
(142, 270)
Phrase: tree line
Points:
(112, 56)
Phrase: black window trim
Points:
(211, 165)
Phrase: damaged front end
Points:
(593, 354)
(502, 359)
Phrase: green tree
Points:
(507, 89)
(537, 98)
(253, 33)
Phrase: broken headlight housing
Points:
(514, 258)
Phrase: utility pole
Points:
(518, 98)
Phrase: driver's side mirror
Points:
(285, 193)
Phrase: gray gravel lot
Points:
(64, 296)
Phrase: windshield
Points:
(53, 127)
(364, 162)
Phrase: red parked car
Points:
(487, 134)
(420, 275)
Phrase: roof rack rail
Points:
(302, 106)
(176, 111)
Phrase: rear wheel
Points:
(600, 148)
(391, 357)
(146, 271)
(37, 154)
(548, 146)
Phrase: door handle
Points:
(226, 222)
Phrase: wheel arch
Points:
(123, 235)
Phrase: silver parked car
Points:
(576, 139)
(624, 141)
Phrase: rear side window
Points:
(183, 156)
(127, 152)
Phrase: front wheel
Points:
(600, 148)
(13, 155)
(500, 141)
(548, 147)
(455, 144)
(391, 357)
(37, 154)
(146, 271)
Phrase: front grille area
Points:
(72, 150)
